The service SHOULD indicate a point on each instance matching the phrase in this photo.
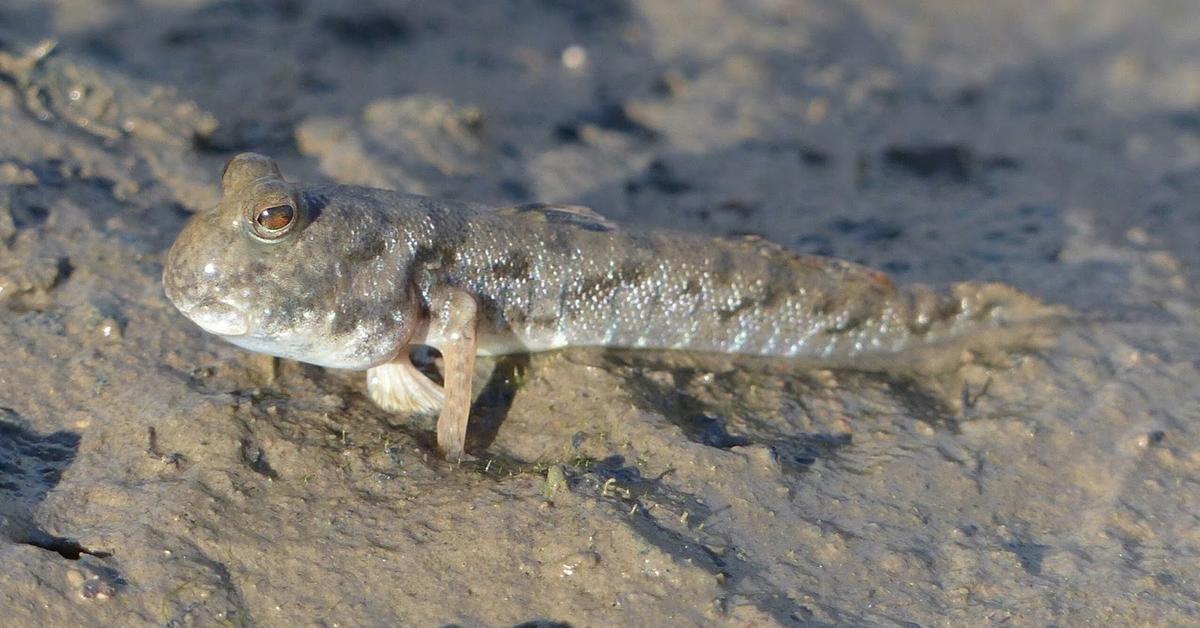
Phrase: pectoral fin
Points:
(399, 387)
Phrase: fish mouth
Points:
(218, 317)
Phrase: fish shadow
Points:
(495, 399)
(702, 422)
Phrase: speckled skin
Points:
(359, 277)
(548, 279)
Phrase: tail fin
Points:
(1015, 320)
(974, 323)
(979, 322)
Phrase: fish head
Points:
(300, 272)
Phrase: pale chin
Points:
(222, 321)
(335, 359)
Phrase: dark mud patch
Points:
(31, 465)
(950, 162)
(368, 30)
(609, 117)
(69, 549)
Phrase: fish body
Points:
(351, 277)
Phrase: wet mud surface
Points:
(151, 475)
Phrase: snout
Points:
(190, 279)
(214, 316)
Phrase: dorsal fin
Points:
(754, 242)
(574, 215)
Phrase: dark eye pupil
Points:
(276, 218)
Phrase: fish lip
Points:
(219, 317)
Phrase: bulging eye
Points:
(274, 220)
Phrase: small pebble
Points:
(97, 588)
(556, 478)
(74, 578)
(574, 58)
(12, 174)
(110, 329)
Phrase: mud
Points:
(150, 475)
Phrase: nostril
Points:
(172, 288)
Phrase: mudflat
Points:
(151, 474)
